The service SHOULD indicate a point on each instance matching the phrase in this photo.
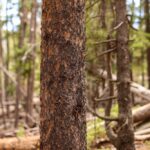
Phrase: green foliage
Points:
(21, 131)
(95, 129)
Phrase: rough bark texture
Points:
(63, 123)
(125, 131)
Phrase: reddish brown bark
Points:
(63, 124)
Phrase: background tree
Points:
(147, 30)
(125, 129)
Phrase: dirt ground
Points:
(140, 145)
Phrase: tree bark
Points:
(125, 133)
(63, 121)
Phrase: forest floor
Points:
(140, 145)
(97, 139)
(96, 135)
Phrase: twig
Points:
(130, 24)
(107, 51)
(12, 79)
(106, 41)
(116, 27)
(92, 5)
(105, 99)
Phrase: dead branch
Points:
(12, 79)
(108, 51)
(105, 99)
(100, 117)
(116, 27)
(106, 41)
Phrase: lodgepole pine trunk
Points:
(2, 83)
(63, 123)
(31, 74)
(125, 131)
(22, 33)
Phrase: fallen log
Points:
(143, 132)
(142, 113)
(23, 143)
(142, 137)
(136, 88)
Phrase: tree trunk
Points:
(23, 24)
(125, 133)
(7, 59)
(2, 83)
(147, 24)
(63, 121)
(30, 81)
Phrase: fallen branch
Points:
(105, 99)
(12, 79)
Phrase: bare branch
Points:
(92, 5)
(108, 51)
(105, 99)
(106, 41)
(100, 117)
(116, 27)
(12, 79)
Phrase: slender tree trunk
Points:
(30, 81)
(7, 61)
(23, 24)
(63, 123)
(103, 14)
(147, 29)
(2, 83)
(125, 131)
